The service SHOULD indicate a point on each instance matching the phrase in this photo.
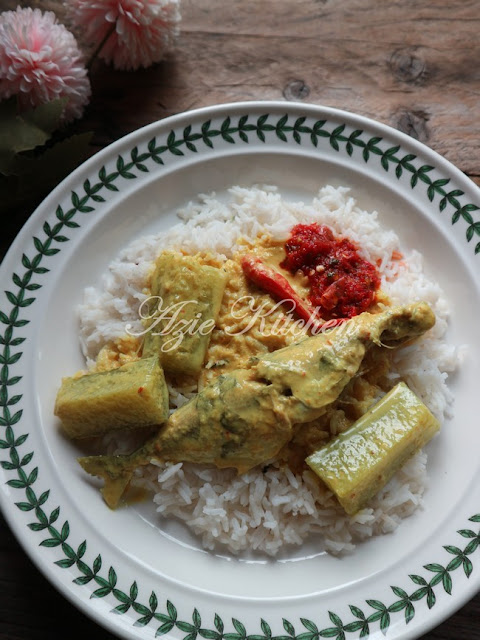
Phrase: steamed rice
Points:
(267, 510)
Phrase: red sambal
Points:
(342, 283)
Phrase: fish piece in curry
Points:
(246, 417)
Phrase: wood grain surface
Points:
(410, 64)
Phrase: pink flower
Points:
(40, 61)
(134, 33)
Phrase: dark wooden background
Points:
(411, 64)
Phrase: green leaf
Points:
(24, 506)
(37, 526)
(225, 125)
(206, 134)
(65, 563)
(436, 187)
(32, 478)
(389, 156)
(153, 601)
(418, 579)
(121, 596)
(54, 515)
(336, 133)
(431, 598)
(455, 563)
(335, 619)
(84, 568)
(8, 466)
(197, 620)
(46, 117)
(239, 627)
(307, 636)
(41, 516)
(467, 567)
(121, 608)
(409, 612)
(265, 627)
(97, 564)
(397, 606)
(68, 551)
(390, 153)
(218, 622)
(164, 628)
(81, 549)
(50, 542)
(447, 583)
(26, 459)
(17, 134)
(14, 457)
(209, 634)
(357, 612)
(172, 612)
(17, 484)
(82, 580)
(374, 617)
(162, 617)
(101, 593)
(141, 609)
(437, 578)
(289, 628)
(365, 632)
(112, 577)
(43, 498)
(385, 622)
(4, 318)
(419, 594)
(191, 636)
(308, 624)
(331, 632)
(134, 594)
(65, 531)
(351, 627)
(453, 550)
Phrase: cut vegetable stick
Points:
(133, 395)
(359, 462)
(190, 295)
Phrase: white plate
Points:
(116, 567)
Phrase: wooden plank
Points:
(403, 63)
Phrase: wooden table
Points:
(410, 64)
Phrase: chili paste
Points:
(342, 283)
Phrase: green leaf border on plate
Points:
(17, 461)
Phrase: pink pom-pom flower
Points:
(40, 61)
(128, 33)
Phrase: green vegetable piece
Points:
(187, 297)
(134, 395)
(359, 462)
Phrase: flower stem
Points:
(107, 35)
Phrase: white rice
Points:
(265, 511)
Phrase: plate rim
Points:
(162, 126)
